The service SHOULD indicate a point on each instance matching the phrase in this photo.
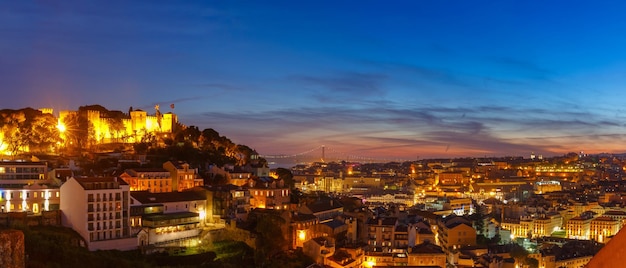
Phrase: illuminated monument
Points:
(132, 128)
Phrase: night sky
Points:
(401, 79)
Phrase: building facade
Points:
(32, 199)
(155, 180)
(98, 209)
(16, 174)
(183, 177)
(163, 218)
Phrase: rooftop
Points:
(145, 197)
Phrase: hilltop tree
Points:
(190, 135)
(270, 239)
(15, 131)
(76, 130)
(478, 218)
(532, 262)
(518, 253)
(286, 176)
(210, 139)
(44, 133)
(117, 128)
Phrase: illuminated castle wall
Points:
(134, 128)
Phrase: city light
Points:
(302, 235)
(61, 127)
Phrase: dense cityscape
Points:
(312, 134)
(141, 189)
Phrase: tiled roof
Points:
(451, 226)
(385, 221)
(146, 170)
(323, 206)
(426, 248)
(615, 213)
(334, 224)
(302, 217)
(145, 197)
(87, 180)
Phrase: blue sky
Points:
(371, 78)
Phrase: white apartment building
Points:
(98, 209)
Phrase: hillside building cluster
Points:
(429, 213)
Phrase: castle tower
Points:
(46, 110)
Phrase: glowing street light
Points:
(61, 127)
(302, 235)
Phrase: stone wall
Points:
(231, 232)
(52, 218)
(12, 249)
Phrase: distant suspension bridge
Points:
(323, 153)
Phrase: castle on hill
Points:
(131, 128)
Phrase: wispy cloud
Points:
(440, 130)
(423, 73)
(525, 67)
(342, 86)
